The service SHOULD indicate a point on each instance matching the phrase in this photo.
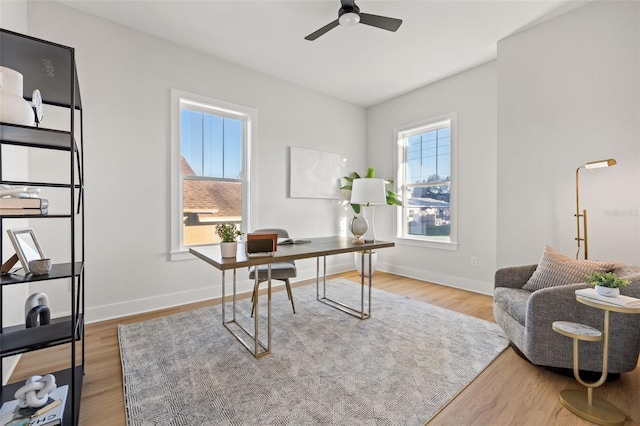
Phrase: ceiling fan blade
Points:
(384, 22)
(314, 35)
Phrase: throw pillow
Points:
(556, 269)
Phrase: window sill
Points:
(181, 255)
(439, 245)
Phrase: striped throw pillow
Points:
(556, 269)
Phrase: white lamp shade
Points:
(368, 191)
(600, 163)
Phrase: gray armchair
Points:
(526, 319)
(281, 271)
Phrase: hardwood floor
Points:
(509, 392)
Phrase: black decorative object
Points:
(40, 315)
(36, 310)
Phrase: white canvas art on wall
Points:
(314, 174)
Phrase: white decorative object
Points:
(366, 192)
(607, 291)
(34, 300)
(13, 107)
(35, 392)
(40, 266)
(229, 249)
(358, 260)
(38, 109)
(314, 174)
(358, 227)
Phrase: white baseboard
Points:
(442, 279)
(154, 303)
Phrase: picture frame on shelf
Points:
(26, 245)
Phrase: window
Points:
(210, 145)
(426, 154)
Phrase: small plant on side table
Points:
(606, 283)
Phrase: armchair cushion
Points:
(556, 269)
(513, 302)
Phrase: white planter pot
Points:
(229, 249)
(13, 107)
(606, 291)
(358, 260)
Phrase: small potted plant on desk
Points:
(228, 233)
(607, 284)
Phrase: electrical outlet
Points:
(474, 261)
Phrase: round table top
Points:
(606, 306)
(577, 331)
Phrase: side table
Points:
(585, 405)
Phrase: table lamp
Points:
(367, 192)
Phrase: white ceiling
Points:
(362, 65)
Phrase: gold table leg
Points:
(599, 411)
(584, 404)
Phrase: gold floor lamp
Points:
(590, 166)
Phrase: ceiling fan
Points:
(349, 15)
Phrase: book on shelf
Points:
(285, 241)
(23, 212)
(23, 203)
(48, 415)
(621, 300)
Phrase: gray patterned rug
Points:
(400, 367)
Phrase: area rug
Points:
(400, 367)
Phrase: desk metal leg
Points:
(339, 305)
(223, 295)
(258, 348)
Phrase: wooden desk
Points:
(317, 248)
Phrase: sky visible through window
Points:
(429, 156)
(211, 144)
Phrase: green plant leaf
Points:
(607, 279)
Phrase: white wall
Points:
(125, 80)
(567, 87)
(13, 16)
(568, 93)
(472, 94)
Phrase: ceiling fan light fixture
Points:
(349, 19)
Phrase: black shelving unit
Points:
(50, 68)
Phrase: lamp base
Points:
(367, 213)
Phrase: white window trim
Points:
(400, 133)
(250, 116)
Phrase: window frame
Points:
(249, 117)
(401, 135)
